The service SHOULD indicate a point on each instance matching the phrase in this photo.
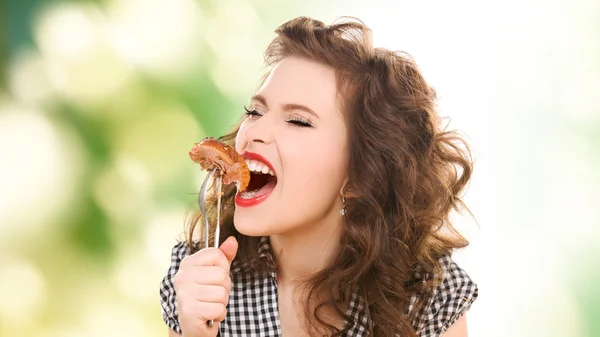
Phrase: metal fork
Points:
(202, 206)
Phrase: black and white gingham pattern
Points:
(168, 298)
(252, 309)
(360, 321)
(450, 300)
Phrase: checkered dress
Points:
(252, 308)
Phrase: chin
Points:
(250, 227)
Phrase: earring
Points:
(343, 210)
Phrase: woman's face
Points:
(295, 132)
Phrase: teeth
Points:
(247, 194)
(257, 166)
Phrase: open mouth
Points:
(262, 180)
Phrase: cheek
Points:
(323, 153)
(240, 138)
(321, 167)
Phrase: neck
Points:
(304, 252)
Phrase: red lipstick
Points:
(253, 198)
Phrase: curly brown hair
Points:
(406, 174)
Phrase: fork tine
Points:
(218, 224)
(202, 205)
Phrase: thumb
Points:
(229, 247)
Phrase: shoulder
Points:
(455, 281)
(168, 298)
(450, 300)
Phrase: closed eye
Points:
(300, 122)
(252, 113)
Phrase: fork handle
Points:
(218, 224)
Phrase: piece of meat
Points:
(211, 153)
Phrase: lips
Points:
(262, 182)
(251, 156)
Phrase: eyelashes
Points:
(252, 113)
(298, 121)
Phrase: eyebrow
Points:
(286, 107)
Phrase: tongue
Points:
(266, 189)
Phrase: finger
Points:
(211, 311)
(212, 294)
(210, 275)
(229, 247)
(228, 284)
(207, 257)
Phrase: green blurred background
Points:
(101, 100)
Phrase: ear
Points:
(344, 185)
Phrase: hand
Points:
(202, 285)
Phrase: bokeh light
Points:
(163, 37)
(23, 289)
(41, 166)
(82, 63)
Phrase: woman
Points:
(345, 229)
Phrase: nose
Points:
(259, 131)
